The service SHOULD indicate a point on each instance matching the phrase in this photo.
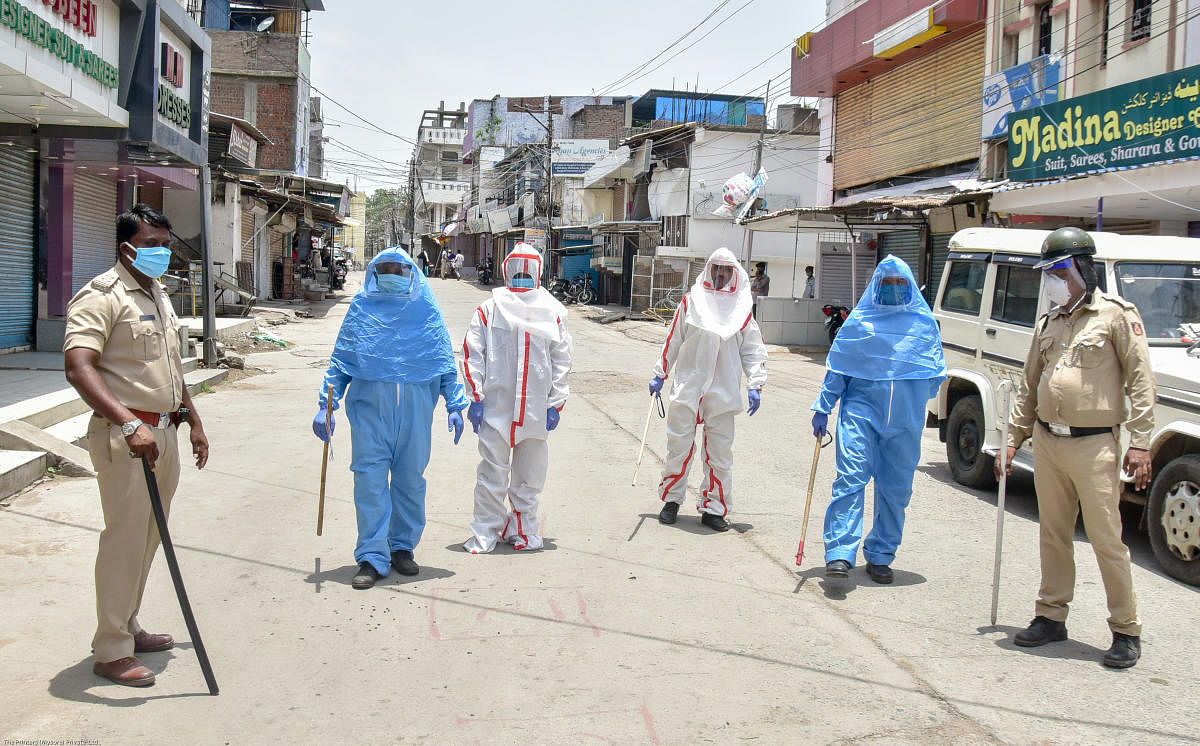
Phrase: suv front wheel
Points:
(1174, 518)
(964, 439)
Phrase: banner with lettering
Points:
(1147, 121)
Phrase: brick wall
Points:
(599, 122)
(246, 50)
(274, 113)
(228, 96)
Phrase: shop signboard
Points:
(1148, 121)
(536, 237)
(1020, 87)
(498, 220)
(242, 147)
(574, 157)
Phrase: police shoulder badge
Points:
(1136, 326)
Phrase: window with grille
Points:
(674, 230)
(1139, 27)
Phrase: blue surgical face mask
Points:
(152, 261)
(894, 295)
(398, 284)
(523, 282)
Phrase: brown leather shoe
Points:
(146, 642)
(125, 671)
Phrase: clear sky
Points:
(389, 60)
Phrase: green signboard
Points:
(1147, 121)
(39, 32)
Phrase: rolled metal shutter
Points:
(17, 238)
(246, 252)
(941, 254)
(834, 282)
(94, 250)
(907, 245)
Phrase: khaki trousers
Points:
(1070, 474)
(130, 537)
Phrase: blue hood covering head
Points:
(394, 337)
(891, 334)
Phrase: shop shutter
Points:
(248, 228)
(886, 124)
(94, 250)
(907, 245)
(941, 254)
(16, 247)
(835, 274)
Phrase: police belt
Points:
(161, 420)
(1066, 431)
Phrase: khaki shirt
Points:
(137, 335)
(1082, 366)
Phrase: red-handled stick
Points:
(812, 480)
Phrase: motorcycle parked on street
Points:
(835, 316)
(485, 273)
(579, 290)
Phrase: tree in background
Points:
(386, 211)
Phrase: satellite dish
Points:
(265, 24)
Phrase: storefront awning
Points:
(828, 219)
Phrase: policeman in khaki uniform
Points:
(1089, 353)
(122, 355)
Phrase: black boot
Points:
(881, 574)
(402, 560)
(1041, 631)
(837, 569)
(714, 521)
(1125, 651)
(668, 513)
(366, 577)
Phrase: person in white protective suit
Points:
(713, 340)
(516, 357)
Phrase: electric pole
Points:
(549, 187)
(762, 131)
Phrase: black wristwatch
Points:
(182, 415)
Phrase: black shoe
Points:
(837, 569)
(881, 574)
(1125, 651)
(1041, 631)
(402, 560)
(668, 513)
(366, 577)
(714, 521)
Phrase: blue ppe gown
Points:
(878, 437)
(393, 353)
(885, 364)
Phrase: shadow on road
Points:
(74, 682)
(836, 589)
(1066, 650)
(345, 574)
(688, 524)
(504, 549)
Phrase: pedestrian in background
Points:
(1088, 356)
(122, 354)
(393, 352)
(760, 286)
(810, 283)
(516, 357)
(713, 341)
(885, 365)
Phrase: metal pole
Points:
(549, 186)
(210, 312)
(1005, 388)
(1100, 212)
(762, 131)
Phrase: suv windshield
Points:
(1166, 294)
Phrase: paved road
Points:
(622, 630)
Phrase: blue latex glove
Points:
(656, 386)
(820, 423)
(475, 415)
(319, 425)
(552, 418)
(455, 422)
(755, 400)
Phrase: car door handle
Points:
(990, 332)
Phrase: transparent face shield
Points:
(1059, 281)
(895, 291)
(394, 278)
(523, 269)
(721, 277)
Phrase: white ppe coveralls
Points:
(516, 357)
(713, 340)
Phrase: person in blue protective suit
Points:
(393, 352)
(884, 366)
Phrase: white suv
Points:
(988, 302)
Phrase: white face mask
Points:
(1057, 290)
